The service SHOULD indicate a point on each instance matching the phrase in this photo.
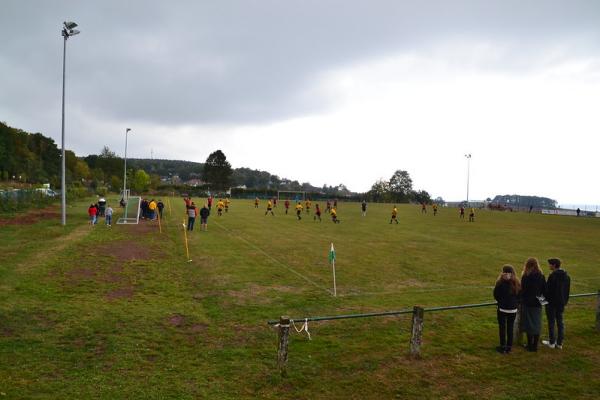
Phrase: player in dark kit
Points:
(317, 213)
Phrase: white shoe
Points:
(559, 346)
(548, 344)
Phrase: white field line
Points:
(274, 259)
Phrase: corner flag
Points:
(332, 254)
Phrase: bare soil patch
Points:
(123, 251)
(176, 320)
(31, 217)
(120, 293)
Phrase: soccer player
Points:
(256, 202)
(227, 201)
(394, 215)
(287, 206)
(334, 217)
(269, 208)
(299, 210)
(317, 213)
(462, 212)
(328, 209)
(274, 202)
(472, 215)
(308, 204)
(423, 208)
(363, 207)
(220, 207)
(435, 206)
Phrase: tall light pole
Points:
(468, 157)
(125, 169)
(68, 31)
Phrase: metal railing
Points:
(418, 312)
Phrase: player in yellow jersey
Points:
(472, 215)
(227, 202)
(220, 206)
(256, 202)
(394, 215)
(435, 208)
(334, 217)
(299, 210)
(308, 204)
(269, 208)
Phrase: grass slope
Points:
(118, 313)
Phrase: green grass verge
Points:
(96, 312)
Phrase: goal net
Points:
(131, 211)
(291, 195)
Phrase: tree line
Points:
(35, 158)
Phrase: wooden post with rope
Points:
(283, 336)
(416, 332)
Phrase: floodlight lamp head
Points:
(127, 130)
(70, 25)
(73, 32)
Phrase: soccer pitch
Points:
(119, 313)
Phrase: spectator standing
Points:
(92, 213)
(160, 206)
(204, 213)
(192, 212)
(108, 212)
(557, 295)
(533, 286)
(506, 293)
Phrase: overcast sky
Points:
(323, 91)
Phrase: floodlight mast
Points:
(125, 197)
(68, 30)
(468, 157)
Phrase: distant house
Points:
(194, 182)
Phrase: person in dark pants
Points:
(192, 211)
(533, 286)
(204, 213)
(160, 205)
(557, 295)
(506, 293)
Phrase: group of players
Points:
(331, 208)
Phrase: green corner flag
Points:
(332, 254)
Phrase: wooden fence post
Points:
(417, 331)
(517, 327)
(283, 336)
(598, 311)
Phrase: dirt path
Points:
(53, 247)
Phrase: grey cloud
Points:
(235, 62)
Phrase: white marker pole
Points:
(334, 288)
(332, 259)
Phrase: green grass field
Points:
(119, 313)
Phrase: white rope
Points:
(303, 328)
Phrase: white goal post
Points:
(131, 212)
(291, 195)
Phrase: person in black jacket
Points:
(533, 287)
(557, 295)
(506, 293)
(204, 213)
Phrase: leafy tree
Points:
(217, 171)
(421, 196)
(141, 181)
(400, 183)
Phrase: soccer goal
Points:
(291, 195)
(131, 211)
